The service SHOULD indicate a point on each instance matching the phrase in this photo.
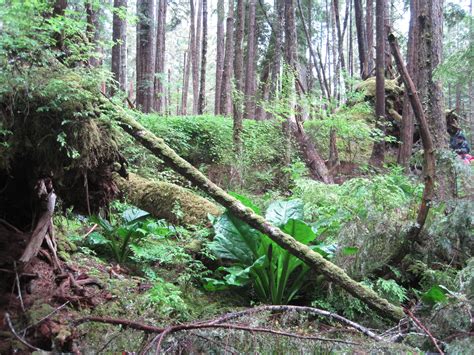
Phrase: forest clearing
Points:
(194, 177)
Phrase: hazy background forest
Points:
(236, 176)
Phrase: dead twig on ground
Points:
(18, 286)
(23, 341)
(286, 308)
(422, 327)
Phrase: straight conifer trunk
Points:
(361, 39)
(160, 95)
(145, 63)
(119, 49)
(194, 57)
(226, 88)
(250, 76)
(407, 126)
(202, 87)
(378, 151)
(219, 56)
(369, 21)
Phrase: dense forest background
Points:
(236, 176)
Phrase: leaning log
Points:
(314, 260)
(164, 200)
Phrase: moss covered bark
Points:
(332, 272)
(164, 200)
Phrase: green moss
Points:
(168, 201)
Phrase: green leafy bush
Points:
(120, 235)
(276, 276)
(206, 142)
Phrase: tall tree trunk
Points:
(186, 72)
(430, 46)
(340, 39)
(361, 39)
(93, 32)
(250, 81)
(226, 87)
(369, 21)
(278, 22)
(160, 96)
(119, 49)
(202, 87)
(238, 74)
(145, 55)
(294, 126)
(378, 151)
(219, 56)
(407, 126)
(194, 56)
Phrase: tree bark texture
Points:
(407, 126)
(186, 71)
(162, 199)
(238, 78)
(145, 63)
(430, 47)
(202, 86)
(429, 169)
(226, 87)
(378, 151)
(314, 260)
(160, 95)
(369, 21)
(119, 49)
(361, 39)
(93, 32)
(219, 56)
(250, 74)
(194, 56)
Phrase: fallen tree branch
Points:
(426, 140)
(48, 199)
(429, 169)
(314, 260)
(20, 339)
(160, 337)
(310, 310)
(123, 322)
(423, 328)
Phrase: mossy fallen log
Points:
(164, 200)
(314, 260)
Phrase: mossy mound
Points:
(52, 124)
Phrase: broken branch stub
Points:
(332, 272)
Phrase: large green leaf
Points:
(235, 240)
(299, 230)
(280, 212)
(246, 202)
(134, 214)
(434, 295)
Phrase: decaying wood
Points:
(429, 161)
(426, 140)
(162, 199)
(43, 226)
(316, 261)
(20, 339)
